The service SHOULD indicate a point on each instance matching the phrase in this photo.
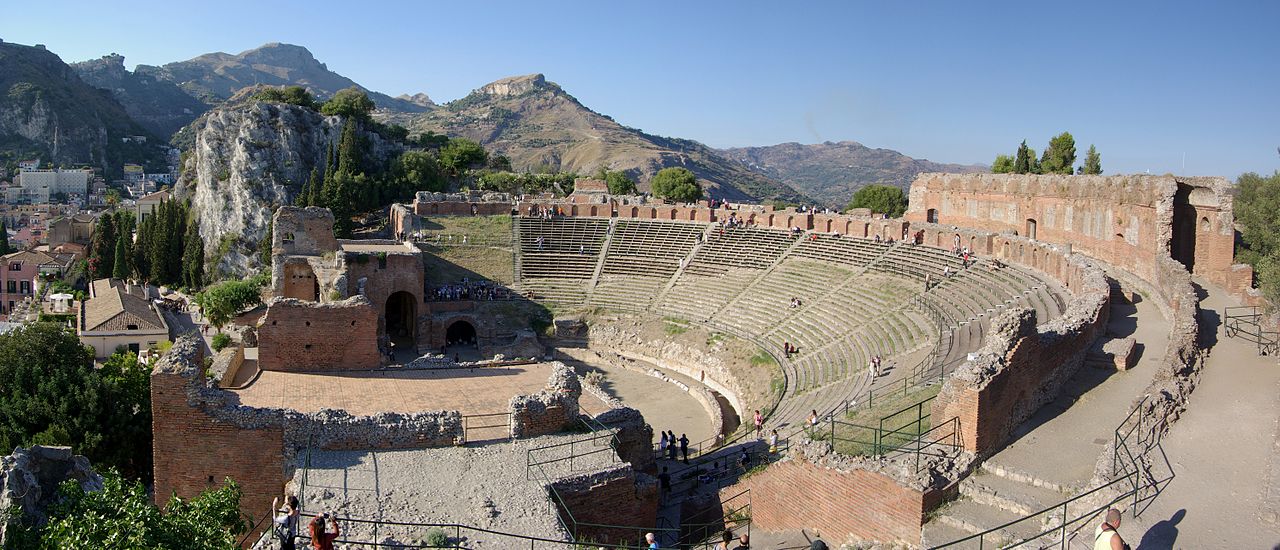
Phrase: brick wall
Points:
(299, 336)
(619, 496)
(194, 451)
(839, 504)
(549, 411)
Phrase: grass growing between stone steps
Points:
(859, 433)
(487, 254)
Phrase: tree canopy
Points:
(121, 517)
(676, 184)
(351, 102)
(460, 154)
(1060, 156)
(293, 95)
(881, 199)
(54, 396)
(618, 182)
(220, 302)
(1092, 162)
(1256, 208)
(1002, 165)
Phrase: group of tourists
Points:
(323, 529)
(874, 367)
(788, 350)
(795, 302)
(468, 290)
(669, 445)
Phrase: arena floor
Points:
(471, 391)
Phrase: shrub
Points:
(436, 538)
(220, 341)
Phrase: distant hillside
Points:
(159, 105)
(46, 111)
(215, 77)
(831, 172)
(539, 126)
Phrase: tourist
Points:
(321, 538)
(946, 272)
(1105, 536)
(582, 250)
(671, 447)
(662, 444)
(651, 539)
(743, 543)
(759, 424)
(813, 419)
(744, 460)
(773, 442)
(684, 447)
(871, 369)
(726, 538)
(286, 523)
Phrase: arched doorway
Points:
(460, 333)
(401, 313)
(1031, 228)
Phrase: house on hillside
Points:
(119, 315)
(77, 229)
(148, 204)
(20, 276)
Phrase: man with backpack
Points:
(286, 523)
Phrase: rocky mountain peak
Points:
(514, 85)
(281, 54)
(418, 99)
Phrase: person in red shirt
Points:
(321, 538)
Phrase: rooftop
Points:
(116, 306)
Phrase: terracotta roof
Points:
(39, 258)
(161, 195)
(113, 307)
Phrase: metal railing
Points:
(1246, 322)
(459, 536)
(1134, 480)
(484, 422)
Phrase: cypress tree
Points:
(5, 248)
(1022, 161)
(1092, 161)
(102, 247)
(349, 150)
(120, 267)
(313, 188)
(158, 246)
(141, 252)
(193, 258)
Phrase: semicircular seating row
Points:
(857, 298)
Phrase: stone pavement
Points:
(1224, 452)
(471, 391)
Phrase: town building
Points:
(119, 315)
(149, 203)
(20, 276)
(38, 186)
(77, 228)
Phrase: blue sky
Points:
(1149, 83)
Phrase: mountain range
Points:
(530, 120)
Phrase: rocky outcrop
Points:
(158, 105)
(29, 480)
(248, 158)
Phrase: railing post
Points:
(1062, 534)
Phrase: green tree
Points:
(220, 302)
(264, 245)
(881, 199)
(676, 184)
(1092, 161)
(1257, 203)
(1002, 165)
(120, 262)
(121, 517)
(54, 396)
(461, 154)
(1060, 156)
(294, 95)
(351, 103)
(102, 247)
(193, 258)
(1024, 160)
(618, 182)
(5, 247)
(418, 171)
(350, 150)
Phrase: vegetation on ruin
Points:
(856, 434)
(219, 341)
(1058, 158)
(222, 301)
(53, 395)
(676, 184)
(121, 517)
(618, 182)
(1256, 205)
(880, 199)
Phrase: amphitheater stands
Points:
(857, 298)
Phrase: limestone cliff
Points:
(248, 158)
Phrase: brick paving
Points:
(471, 391)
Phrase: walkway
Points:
(1224, 452)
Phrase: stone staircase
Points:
(992, 496)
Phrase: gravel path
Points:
(482, 486)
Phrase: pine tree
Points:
(120, 267)
(1060, 156)
(1092, 161)
(5, 247)
(102, 247)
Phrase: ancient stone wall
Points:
(1022, 367)
(845, 497)
(29, 480)
(635, 436)
(202, 435)
(549, 411)
(298, 336)
(302, 231)
(617, 496)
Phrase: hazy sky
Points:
(1153, 85)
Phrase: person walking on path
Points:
(286, 522)
(759, 419)
(684, 447)
(773, 442)
(1105, 536)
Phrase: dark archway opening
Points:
(1183, 247)
(931, 215)
(400, 315)
(460, 333)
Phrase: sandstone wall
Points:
(297, 336)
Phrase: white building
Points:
(36, 186)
